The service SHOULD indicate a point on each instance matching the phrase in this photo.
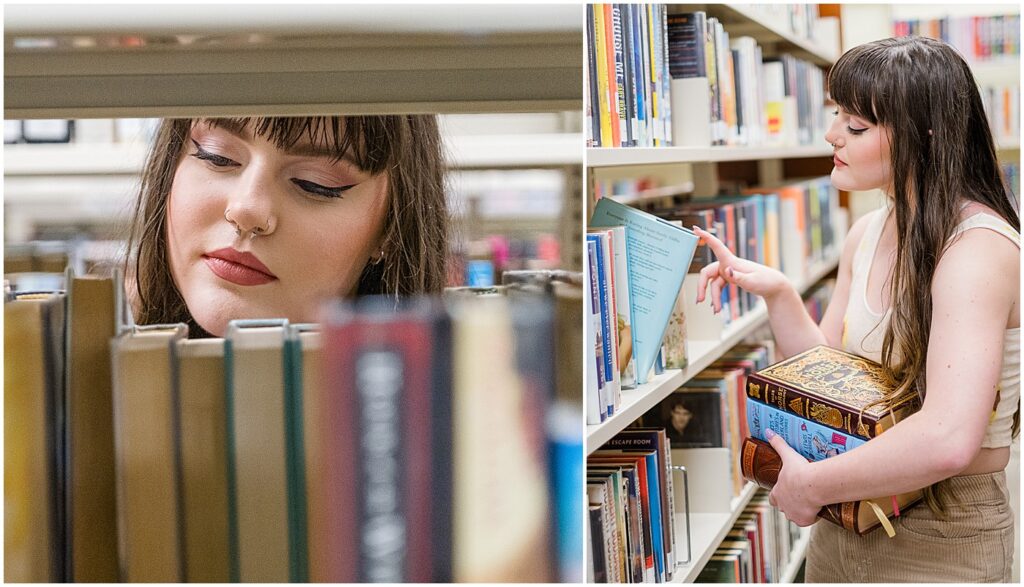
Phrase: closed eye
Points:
(212, 158)
(322, 190)
(855, 131)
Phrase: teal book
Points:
(814, 441)
(658, 254)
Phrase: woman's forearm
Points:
(909, 456)
(791, 324)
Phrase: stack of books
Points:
(822, 403)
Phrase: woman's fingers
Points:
(708, 273)
(722, 252)
(716, 293)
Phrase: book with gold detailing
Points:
(830, 387)
(762, 465)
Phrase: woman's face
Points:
(861, 156)
(307, 227)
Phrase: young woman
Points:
(269, 217)
(929, 286)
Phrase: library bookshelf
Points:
(701, 354)
(697, 170)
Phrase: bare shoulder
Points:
(982, 266)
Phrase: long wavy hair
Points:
(923, 93)
(416, 225)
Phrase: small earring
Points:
(379, 259)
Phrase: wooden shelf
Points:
(144, 61)
(706, 532)
(612, 157)
(701, 353)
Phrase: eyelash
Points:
(853, 131)
(304, 185)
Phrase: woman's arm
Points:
(973, 292)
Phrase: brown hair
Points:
(416, 228)
(924, 94)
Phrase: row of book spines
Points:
(755, 550)
(1002, 104)
(982, 37)
(627, 89)
(606, 264)
(635, 530)
(746, 97)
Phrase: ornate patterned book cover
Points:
(762, 465)
(830, 387)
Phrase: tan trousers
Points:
(975, 545)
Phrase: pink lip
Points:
(238, 267)
(838, 162)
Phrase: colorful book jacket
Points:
(761, 464)
(814, 441)
(659, 255)
(830, 387)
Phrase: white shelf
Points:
(465, 152)
(804, 48)
(144, 61)
(706, 532)
(610, 156)
(634, 403)
(796, 556)
(701, 353)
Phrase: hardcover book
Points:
(761, 464)
(659, 255)
(146, 448)
(814, 441)
(33, 393)
(830, 387)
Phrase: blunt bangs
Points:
(365, 139)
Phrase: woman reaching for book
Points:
(933, 300)
(269, 217)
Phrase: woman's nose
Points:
(251, 208)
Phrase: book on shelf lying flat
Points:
(824, 400)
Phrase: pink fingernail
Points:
(769, 433)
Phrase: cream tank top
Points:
(864, 329)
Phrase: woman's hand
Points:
(753, 277)
(791, 494)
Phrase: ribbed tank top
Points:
(864, 329)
